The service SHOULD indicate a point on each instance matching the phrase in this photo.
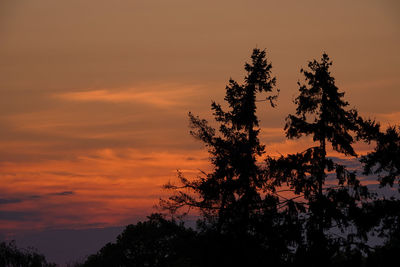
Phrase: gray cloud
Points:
(64, 193)
(10, 200)
(14, 200)
(19, 215)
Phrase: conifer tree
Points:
(229, 197)
(382, 215)
(385, 159)
(322, 114)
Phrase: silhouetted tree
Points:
(11, 256)
(234, 198)
(229, 196)
(382, 215)
(385, 159)
(246, 221)
(155, 242)
(321, 113)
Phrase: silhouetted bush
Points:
(11, 256)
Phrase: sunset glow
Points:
(93, 109)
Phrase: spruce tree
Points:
(382, 215)
(230, 195)
(322, 114)
(384, 160)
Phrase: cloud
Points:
(389, 119)
(9, 200)
(69, 174)
(162, 96)
(349, 163)
(17, 200)
(105, 186)
(64, 193)
(19, 215)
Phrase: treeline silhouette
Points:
(306, 208)
(12, 256)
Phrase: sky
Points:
(94, 94)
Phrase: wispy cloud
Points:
(19, 215)
(37, 197)
(156, 95)
(389, 118)
(63, 193)
(104, 186)
(9, 200)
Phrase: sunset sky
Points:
(94, 94)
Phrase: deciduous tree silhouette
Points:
(155, 242)
(11, 256)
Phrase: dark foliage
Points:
(296, 210)
(155, 242)
(236, 200)
(11, 256)
(229, 197)
(385, 159)
(161, 242)
(383, 217)
(328, 206)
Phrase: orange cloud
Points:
(107, 187)
(387, 119)
(156, 95)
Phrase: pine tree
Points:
(229, 197)
(323, 114)
(385, 159)
(382, 215)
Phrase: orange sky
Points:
(94, 94)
